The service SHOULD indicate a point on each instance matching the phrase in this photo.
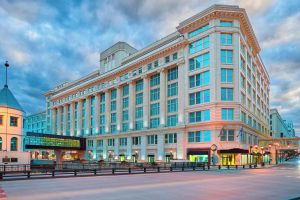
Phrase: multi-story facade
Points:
(35, 123)
(278, 127)
(203, 85)
(11, 137)
(290, 126)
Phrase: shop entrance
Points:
(151, 158)
(134, 158)
(168, 158)
(228, 159)
(122, 157)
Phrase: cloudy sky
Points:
(49, 42)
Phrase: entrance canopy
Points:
(49, 141)
(234, 150)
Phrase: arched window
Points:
(0, 143)
(13, 144)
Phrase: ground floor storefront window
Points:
(228, 159)
(151, 158)
(245, 159)
(198, 158)
(198, 155)
(122, 157)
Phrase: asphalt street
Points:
(281, 182)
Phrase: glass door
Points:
(151, 158)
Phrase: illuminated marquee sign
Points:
(49, 141)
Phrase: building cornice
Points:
(223, 12)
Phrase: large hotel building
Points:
(200, 93)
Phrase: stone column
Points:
(53, 121)
(236, 64)
(180, 146)
(119, 108)
(59, 131)
(88, 116)
(72, 118)
(107, 110)
(65, 122)
(97, 113)
(116, 150)
(129, 148)
(162, 100)
(143, 148)
(160, 147)
(131, 105)
(105, 156)
(181, 94)
(79, 117)
(146, 102)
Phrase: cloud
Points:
(256, 6)
(49, 42)
(280, 37)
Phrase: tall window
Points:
(167, 59)
(227, 94)
(14, 121)
(111, 142)
(226, 38)
(199, 62)
(199, 116)
(243, 117)
(200, 97)
(125, 102)
(199, 136)
(198, 31)
(152, 139)
(139, 98)
(123, 141)
(226, 56)
(227, 135)
(154, 122)
(0, 143)
(154, 94)
(171, 138)
(125, 90)
(226, 75)
(226, 23)
(243, 64)
(1, 120)
(139, 112)
(139, 85)
(172, 89)
(154, 80)
(199, 79)
(173, 74)
(227, 114)
(154, 109)
(14, 144)
(172, 120)
(199, 45)
(136, 140)
(172, 105)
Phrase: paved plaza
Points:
(281, 182)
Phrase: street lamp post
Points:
(262, 155)
(270, 153)
(136, 156)
(6, 65)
